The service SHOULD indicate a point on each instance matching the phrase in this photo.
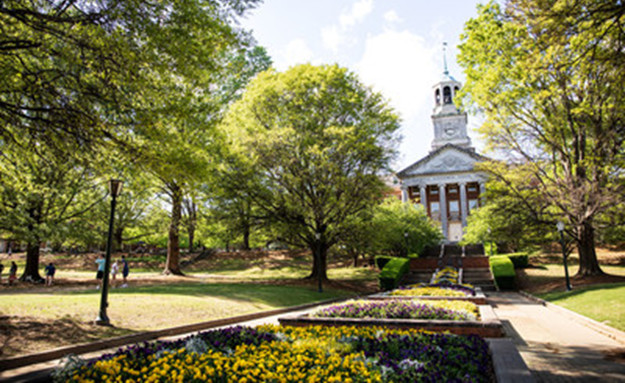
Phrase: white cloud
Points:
(392, 17)
(404, 68)
(332, 38)
(360, 9)
(295, 52)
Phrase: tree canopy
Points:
(317, 140)
(548, 77)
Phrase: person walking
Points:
(114, 270)
(100, 273)
(12, 273)
(1, 270)
(50, 270)
(125, 271)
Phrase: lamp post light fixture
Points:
(560, 227)
(115, 188)
(318, 255)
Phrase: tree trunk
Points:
(320, 264)
(354, 255)
(31, 271)
(191, 231)
(588, 264)
(118, 238)
(246, 237)
(172, 266)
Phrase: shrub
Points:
(392, 273)
(520, 260)
(503, 272)
(382, 260)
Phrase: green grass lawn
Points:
(291, 272)
(154, 307)
(603, 303)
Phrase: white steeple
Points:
(450, 123)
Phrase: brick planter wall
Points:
(488, 327)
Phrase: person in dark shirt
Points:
(125, 270)
(50, 270)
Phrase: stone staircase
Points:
(470, 261)
(479, 277)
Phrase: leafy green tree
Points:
(399, 228)
(506, 214)
(548, 77)
(77, 68)
(40, 193)
(317, 141)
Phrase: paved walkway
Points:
(555, 347)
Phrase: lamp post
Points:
(318, 255)
(560, 227)
(115, 188)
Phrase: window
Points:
(473, 204)
(454, 207)
(434, 191)
(447, 95)
(453, 190)
(435, 207)
(472, 188)
(437, 96)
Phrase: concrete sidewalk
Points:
(555, 347)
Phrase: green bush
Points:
(413, 255)
(503, 272)
(392, 273)
(382, 260)
(520, 260)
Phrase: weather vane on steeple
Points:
(445, 71)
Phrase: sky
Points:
(395, 46)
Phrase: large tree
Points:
(317, 140)
(72, 70)
(548, 76)
(39, 194)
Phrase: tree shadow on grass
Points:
(27, 335)
(270, 294)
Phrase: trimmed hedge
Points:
(503, 272)
(382, 260)
(520, 260)
(392, 273)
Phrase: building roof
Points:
(410, 170)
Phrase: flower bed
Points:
(446, 275)
(312, 354)
(401, 309)
(427, 292)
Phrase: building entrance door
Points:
(455, 231)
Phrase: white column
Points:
(482, 192)
(443, 203)
(463, 203)
(424, 197)
(404, 193)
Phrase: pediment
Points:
(447, 159)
